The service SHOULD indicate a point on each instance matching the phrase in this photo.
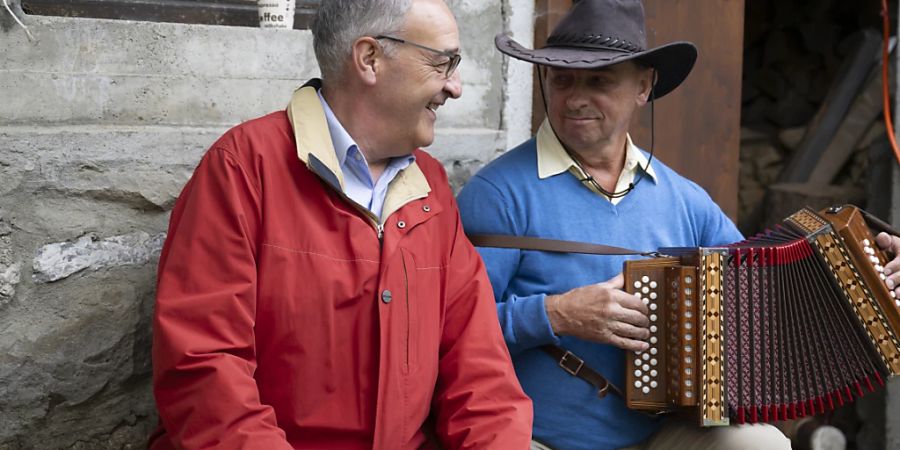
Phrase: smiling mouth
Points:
(433, 107)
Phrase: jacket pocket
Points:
(424, 308)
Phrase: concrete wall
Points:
(101, 123)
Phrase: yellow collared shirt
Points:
(553, 159)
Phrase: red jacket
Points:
(283, 320)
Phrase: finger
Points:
(629, 331)
(616, 282)
(630, 301)
(629, 344)
(893, 283)
(632, 317)
(890, 244)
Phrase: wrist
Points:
(554, 316)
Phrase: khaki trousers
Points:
(684, 436)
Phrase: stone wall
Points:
(101, 124)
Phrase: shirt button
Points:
(426, 208)
(401, 224)
(386, 296)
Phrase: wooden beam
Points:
(850, 79)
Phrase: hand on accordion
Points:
(601, 313)
(891, 244)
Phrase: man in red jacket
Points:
(316, 289)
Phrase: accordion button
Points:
(637, 362)
(645, 279)
(646, 356)
(645, 390)
(688, 280)
(654, 362)
(645, 378)
(654, 351)
(874, 259)
(688, 326)
(654, 384)
(866, 242)
(688, 394)
(688, 383)
(638, 373)
(653, 339)
(645, 301)
(638, 384)
(653, 295)
(653, 317)
(637, 284)
(653, 305)
(645, 289)
(882, 276)
(653, 328)
(653, 373)
(653, 285)
(688, 337)
(646, 367)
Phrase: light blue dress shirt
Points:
(358, 183)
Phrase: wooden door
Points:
(698, 124)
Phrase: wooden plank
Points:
(698, 125)
(850, 79)
(209, 12)
(864, 111)
(547, 14)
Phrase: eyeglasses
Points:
(449, 66)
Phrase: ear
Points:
(646, 80)
(366, 59)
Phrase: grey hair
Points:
(338, 23)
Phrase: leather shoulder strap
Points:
(548, 245)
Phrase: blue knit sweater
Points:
(507, 197)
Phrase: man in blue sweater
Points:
(582, 179)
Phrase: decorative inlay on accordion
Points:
(792, 322)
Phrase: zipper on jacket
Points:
(379, 227)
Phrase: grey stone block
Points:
(56, 261)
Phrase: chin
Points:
(424, 139)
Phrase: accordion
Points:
(792, 322)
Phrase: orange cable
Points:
(888, 122)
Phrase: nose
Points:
(453, 85)
(575, 98)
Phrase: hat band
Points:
(598, 42)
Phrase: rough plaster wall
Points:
(101, 124)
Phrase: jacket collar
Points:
(316, 150)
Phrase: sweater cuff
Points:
(532, 327)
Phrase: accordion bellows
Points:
(792, 322)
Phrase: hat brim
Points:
(673, 62)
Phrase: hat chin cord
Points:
(588, 178)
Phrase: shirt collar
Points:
(339, 136)
(553, 159)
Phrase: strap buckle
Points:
(566, 358)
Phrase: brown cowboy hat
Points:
(600, 33)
